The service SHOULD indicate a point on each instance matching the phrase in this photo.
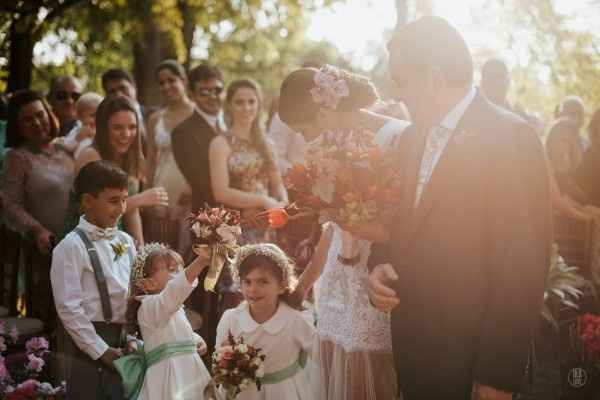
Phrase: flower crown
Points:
(330, 87)
(137, 272)
(270, 251)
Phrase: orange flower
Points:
(278, 217)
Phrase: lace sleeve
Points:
(15, 176)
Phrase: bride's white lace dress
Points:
(354, 349)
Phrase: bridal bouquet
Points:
(346, 179)
(215, 231)
(237, 366)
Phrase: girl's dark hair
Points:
(17, 101)
(173, 66)
(255, 261)
(133, 304)
(259, 139)
(98, 175)
(296, 105)
(134, 163)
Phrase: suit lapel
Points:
(444, 170)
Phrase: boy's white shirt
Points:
(75, 289)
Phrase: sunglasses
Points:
(214, 91)
(63, 95)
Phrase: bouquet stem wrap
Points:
(219, 254)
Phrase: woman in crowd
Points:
(243, 169)
(118, 140)
(167, 224)
(37, 179)
(588, 172)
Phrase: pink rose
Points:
(35, 363)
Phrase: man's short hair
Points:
(431, 42)
(115, 74)
(494, 67)
(97, 176)
(204, 72)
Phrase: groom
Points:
(464, 270)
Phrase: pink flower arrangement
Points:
(329, 88)
(37, 345)
(35, 363)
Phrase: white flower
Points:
(242, 348)
(324, 189)
(260, 372)
(201, 231)
(229, 233)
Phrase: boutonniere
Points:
(119, 248)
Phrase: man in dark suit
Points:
(190, 142)
(192, 137)
(465, 266)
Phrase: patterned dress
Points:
(36, 192)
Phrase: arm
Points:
(277, 188)
(132, 221)
(68, 260)
(16, 174)
(151, 148)
(315, 267)
(223, 328)
(219, 153)
(304, 332)
(157, 310)
(519, 237)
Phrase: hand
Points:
(110, 355)
(43, 241)
(154, 197)
(249, 218)
(84, 133)
(296, 298)
(201, 348)
(379, 287)
(482, 392)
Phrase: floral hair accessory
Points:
(330, 87)
(137, 272)
(270, 251)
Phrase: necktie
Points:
(100, 234)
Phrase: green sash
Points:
(132, 367)
(287, 372)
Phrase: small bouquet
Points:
(216, 231)
(346, 179)
(237, 366)
(588, 332)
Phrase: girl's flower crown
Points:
(330, 87)
(137, 271)
(270, 251)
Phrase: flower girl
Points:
(167, 366)
(265, 321)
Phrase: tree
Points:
(26, 22)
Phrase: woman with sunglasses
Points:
(167, 224)
(37, 179)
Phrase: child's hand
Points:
(110, 355)
(201, 348)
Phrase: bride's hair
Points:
(296, 104)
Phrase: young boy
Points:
(90, 282)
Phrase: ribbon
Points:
(219, 254)
(287, 372)
(133, 367)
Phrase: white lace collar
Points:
(273, 326)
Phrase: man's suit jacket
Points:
(190, 142)
(471, 258)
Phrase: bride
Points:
(354, 347)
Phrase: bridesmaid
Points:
(161, 223)
(37, 179)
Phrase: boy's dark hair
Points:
(204, 72)
(114, 74)
(96, 176)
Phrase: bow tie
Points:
(99, 234)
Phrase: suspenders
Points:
(107, 311)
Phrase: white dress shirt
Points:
(437, 140)
(75, 290)
(213, 120)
